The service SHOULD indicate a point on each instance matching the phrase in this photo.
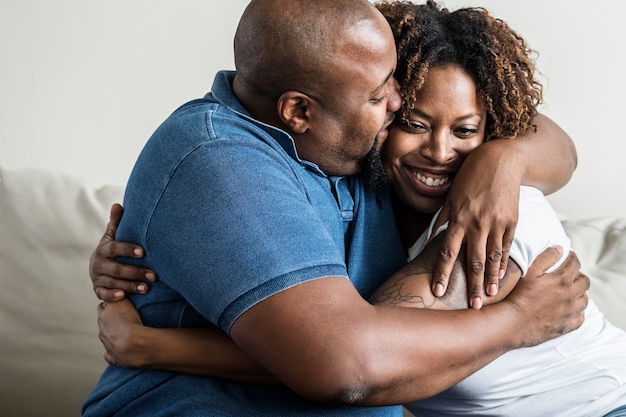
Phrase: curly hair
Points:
(495, 56)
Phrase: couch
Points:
(50, 356)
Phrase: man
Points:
(250, 210)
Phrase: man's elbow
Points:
(350, 382)
(348, 389)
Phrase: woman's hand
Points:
(112, 279)
(482, 210)
(483, 201)
(120, 324)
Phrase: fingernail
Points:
(142, 287)
(119, 294)
(477, 303)
(138, 252)
(501, 274)
(492, 290)
(150, 276)
(439, 290)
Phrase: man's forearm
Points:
(335, 347)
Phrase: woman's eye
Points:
(411, 126)
(466, 131)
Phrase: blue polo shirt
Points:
(230, 215)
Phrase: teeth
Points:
(432, 182)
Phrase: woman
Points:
(462, 98)
(466, 78)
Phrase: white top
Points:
(582, 373)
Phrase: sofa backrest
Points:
(50, 353)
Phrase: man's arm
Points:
(210, 352)
(349, 351)
(482, 203)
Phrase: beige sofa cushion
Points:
(50, 356)
(601, 247)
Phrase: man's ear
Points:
(294, 110)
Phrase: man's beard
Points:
(374, 176)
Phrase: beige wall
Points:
(83, 83)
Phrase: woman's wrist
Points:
(141, 349)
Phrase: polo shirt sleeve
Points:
(238, 223)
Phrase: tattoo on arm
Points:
(395, 294)
(411, 287)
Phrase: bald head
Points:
(285, 45)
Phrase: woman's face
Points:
(423, 153)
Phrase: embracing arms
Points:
(362, 359)
(350, 351)
(481, 208)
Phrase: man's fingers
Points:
(583, 283)
(545, 260)
(572, 258)
(586, 282)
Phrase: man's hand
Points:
(482, 209)
(551, 303)
(111, 279)
(118, 323)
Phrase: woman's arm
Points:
(205, 352)
(483, 202)
(411, 286)
(548, 155)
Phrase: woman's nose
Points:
(438, 148)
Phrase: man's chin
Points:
(376, 184)
(374, 175)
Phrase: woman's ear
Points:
(294, 110)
